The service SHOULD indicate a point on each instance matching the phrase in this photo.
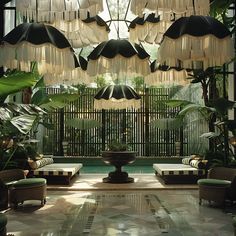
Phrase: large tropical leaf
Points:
(194, 108)
(176, 103)
(210, 135)
(222, 105)
(168, 123)
(15, 82)
(83, 124)
(23, 123)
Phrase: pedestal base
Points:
(118, 178)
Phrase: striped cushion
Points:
(40, 163)
(186, 160)
(197, 164)
(177, 169)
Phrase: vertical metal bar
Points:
(147, 152)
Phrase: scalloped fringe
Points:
(195, 52)
(117, 104)
(169, 7)
(149, 32)
(119, 65)
(169, 77)
(50, 59)
(73, 77)
(50, 11)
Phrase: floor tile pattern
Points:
(121, 213)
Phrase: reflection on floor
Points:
(120, 213)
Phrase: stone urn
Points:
(118, 159)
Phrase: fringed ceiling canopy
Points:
(148, 28)
(34, 42)
(117, 97)
(164, 75)
(196, 42)
(170, 9)
(73, 77)
(54, 10)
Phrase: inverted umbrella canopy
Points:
(164, 75)
(119, 57)
(72, 77)
(147, 29)
(117, 97)
(196, 42)
(36, 42)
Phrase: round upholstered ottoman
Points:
(3, 223)
(28, 189)
(213, 190)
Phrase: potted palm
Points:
(118, 155)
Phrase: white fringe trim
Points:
(167, 8)
(54, 10)
(169, 77)
(149, 32)
(117, 104)
(50, 59)
(119, 65)
(81, 34)
(207, 51)
(73, 77)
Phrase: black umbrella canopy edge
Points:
(117, 92)
(36, 33)
(112, 47)
(197, 26)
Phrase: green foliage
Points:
(118, 146)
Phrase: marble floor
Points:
(120, 212)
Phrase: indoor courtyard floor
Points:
(134, 209)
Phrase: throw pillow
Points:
(40, 163)
(199, 164)
(186, 160)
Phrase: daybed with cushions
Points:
(54, 172)
(189, 171)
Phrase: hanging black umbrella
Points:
(148, 28)
(36, 42)
(118, 57)
(195, 42)
(117, 97)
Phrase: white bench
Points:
(178, 173)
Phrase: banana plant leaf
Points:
(15, 82)
(209, 135)
(23, 123)
(83, 124)
(167, 123)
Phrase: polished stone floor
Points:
(120, 211)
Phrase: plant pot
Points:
(118, 159)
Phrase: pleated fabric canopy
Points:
(164, 75)
(36, 42)
(81, 33)
(117, 97)
(54, 10)
(72, 77)
(148, 28)
(171, 8)
(196, 42)
(118, 57)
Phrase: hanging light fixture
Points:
(118, 57)
(117, 97)
(147, 28)
(164, 75)
(196, 42)
(72, 77)
(36, 42)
